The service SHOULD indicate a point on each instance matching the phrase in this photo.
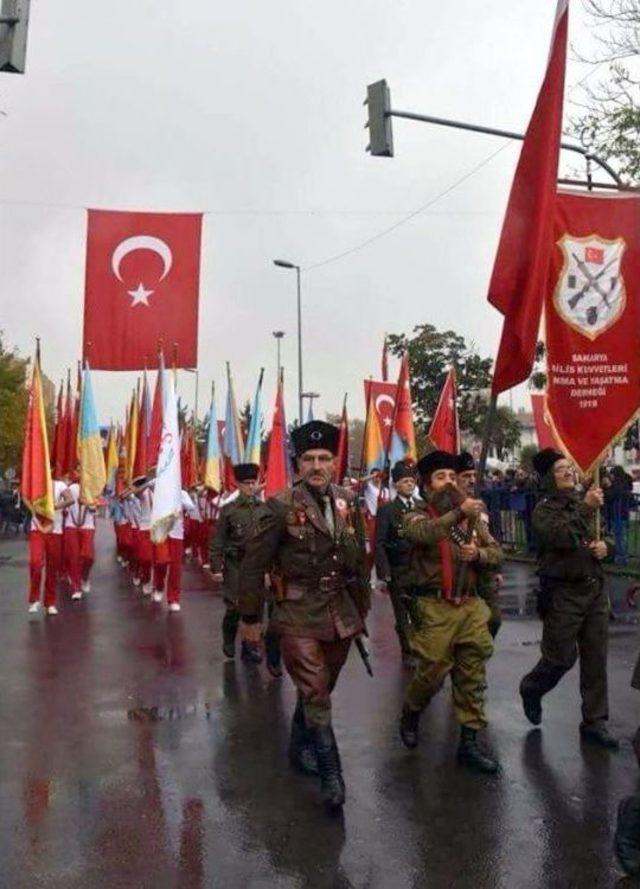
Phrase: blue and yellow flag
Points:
(93, 476)
(232, 443)
(253, 448)
(212, 474)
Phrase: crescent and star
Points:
(380, 400)
(140, 296)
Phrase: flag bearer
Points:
(169, 555)
(45, 552)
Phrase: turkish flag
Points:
(592, 317)
(522, 261)
(141, 291)
(382, 396)
(444, 433)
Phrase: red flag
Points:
(277, 474)
(385, 361)
(444, 433)
(142, 281)
(520, 270)
(57, 432)
(141, 462)
(35, 481)
(592, 319)
(71, 451)
(381, 396)
(403, 440)
(544, 432)
(342, 456)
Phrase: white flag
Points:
(167, 499)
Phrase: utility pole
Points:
(311, 396)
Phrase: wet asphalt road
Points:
(132, 755)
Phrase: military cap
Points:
(246, 472)
(430, 463)
(315, 434)
(544, 460)
(465, 462)
(403, 469)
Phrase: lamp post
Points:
(283, 264)
(278, 334)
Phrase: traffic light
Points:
(14, 21)
(378, 102)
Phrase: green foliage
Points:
(608, 117)
(431, 354)
(505, 430)
(13, 407)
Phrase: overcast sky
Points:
(252, 112)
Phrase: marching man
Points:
(79, 543)
(45, 552)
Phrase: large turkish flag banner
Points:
(141, 292)
(592, 315)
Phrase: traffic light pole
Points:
(381, 136)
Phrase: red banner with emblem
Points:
(592, 317)
(141, 289)
(383, 398)
(544, 432)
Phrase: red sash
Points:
(446, 561)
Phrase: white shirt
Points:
(72, 513)
(58, 490)
(371, 497)
(177, 531)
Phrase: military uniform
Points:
(313, 544)
(320, 587)
(393, 562)
(573, 604)
(453, 636)
(238, 521)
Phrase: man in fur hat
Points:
(573, 602)
(312, 543)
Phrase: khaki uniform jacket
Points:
(426, 532)
(563, 527)
(237, 523)
(320, 582)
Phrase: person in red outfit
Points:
(45, 553)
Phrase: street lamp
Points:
(283, 264)
(278, 334)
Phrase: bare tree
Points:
(607, 121)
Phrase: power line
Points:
(409, 216)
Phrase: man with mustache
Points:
(451, 551)
(312, 542)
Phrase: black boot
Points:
(599, 735)
(471, 756)
(329, 767)
(627, 838)
(251, 652)
(409, 724)
(302, 754)
(229, 629)
(272, 651)
(531, 704)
